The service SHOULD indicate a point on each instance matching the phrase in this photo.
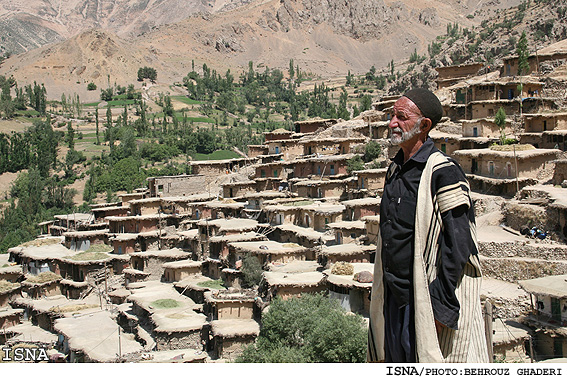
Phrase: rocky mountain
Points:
(326, 38)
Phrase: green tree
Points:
(523, 55)
(311, 328)
(252, 271)
(355, 164)
(500, 120)
(372, 151)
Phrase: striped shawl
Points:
(468, 342)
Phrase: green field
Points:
(217, 155)
(186, 100)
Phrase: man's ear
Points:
(426, 125)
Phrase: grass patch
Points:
(216, 155)
(71, 308)
(186, 100)
(41, 242)
(6, 286)
(43, 277)
(212, 284)
(165, 304)
(299, 203)
(87, 256)
(99, 248)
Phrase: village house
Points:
(256, 150)
(356, 209)
(174, 322)
(322, 166)
(102, 212)
(292, 280)
(371, 181)
(346, 232)
(238, 189)
(230, 305)
(8, 291)
(306, 237)
(538, 61)
(450, 75)
(349, 252)
(504, 170)
(318, 215)
(313, 125)
(139, 193)
(545, 130)
(549, 314)
(277, 169)
(152, 261)
(231, 337)
(141, 223)
(486, 130)
(83, 240)
(323, 189)
(222, 227)
(278, 134)
(70, 222)
(372, 228)
(268, 251)
(352, 293)
(218, 245)
(8, 318)
(43, 285)
(178, 185)
(510, 339)
(330, 145)
(87, 267)
(445, 142)
(213, 169)
(39, 256)
(385, 103)
(288, 148)
(176, 271)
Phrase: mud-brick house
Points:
(326, 188)
(39, 255)
(256, 150)
(292, 284)
(231, 337)
(102, 212)
(8, 291)
(218, 245)
(385, 103)
(509, 340)
(152, 261)
(352, 292)
(356, 209)
(277, 169)
(447, 143)
(176, 271)
(504, 169)
(539, 62)
(278, 134)
(506, 89)
(124, 243)
(545, 130)
(142, 223)
(311, 126)
(11, 273)
(330, 145)
(322, 166)
(306, 237)
(230, 305)
(319, 215)
(69, 222)
(549, 314)
(73, 290)
(82, 347)
(347, 232)
(142, 207)
(350, 252)
(255, 203)
(450, 75)
(83, 240)
(288, 149)
(174, 322)
(45, 227)
(238, 189)
(485, 127)
(224, 227)
(216, 209)
(87, 267)
(45, 284)
(9, 317)
(177, 185)
(371, 181)
(141, 193)
(268, 251)
(182, 205)
(286, 211)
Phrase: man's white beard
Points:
(397, 139)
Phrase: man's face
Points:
(405, 123)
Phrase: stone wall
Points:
(179, 340)
(514, 269)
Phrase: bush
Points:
(252, 270)
(311, 328)
(91, 86)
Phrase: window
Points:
(491, 168)
(276, 173)
(263, 173)
(332, 169)
(444, 147)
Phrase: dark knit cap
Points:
(427, 102)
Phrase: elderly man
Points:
(425, 302)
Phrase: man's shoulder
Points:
(446, 170)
